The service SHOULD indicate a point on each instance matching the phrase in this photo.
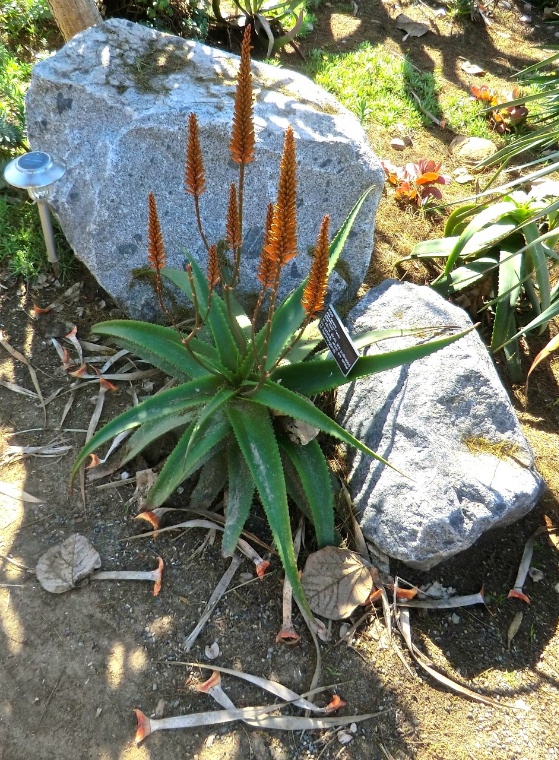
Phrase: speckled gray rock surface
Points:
(114, 104)
(446, 421)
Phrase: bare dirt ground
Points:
(73, 667)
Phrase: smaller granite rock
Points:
(447, 423)
(472, 149)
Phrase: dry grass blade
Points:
(287, 632)
(273, 687)
(140, 374)
(67, 408)
(12, 453)
(7, 489)
(516, 591)
(20, 357)
(113, 359)
(210, 524)
(18, 389)
(147, 726)
(405, 628)
(359, 539)
(552, 346)
(514, 627)
(387, 612)
(444, 604)
(72, 337)
(213, 601)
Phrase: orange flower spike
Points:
(241, 146)
(315, 290)
(213, 267)
(194, 181)
(283, 233)
(156, 248)
(266, 267)
(232, 227)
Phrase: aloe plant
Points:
(268, 20)
(240, 376)
(502, 240)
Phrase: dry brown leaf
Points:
(411, 27)
(514, 627)
(16, 493)
(473, 68)
(552, 346)
(62, 566)
(336, 581)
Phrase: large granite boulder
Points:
(114, 104)
(446, 422)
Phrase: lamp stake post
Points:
(36, 172)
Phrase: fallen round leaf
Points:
(212, 651)
(473, 68)
(62, 566)
(336, 581)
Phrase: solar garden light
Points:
(37, 172)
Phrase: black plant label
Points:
(338, 340)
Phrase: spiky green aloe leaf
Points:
(313, 472)
(457, 220)
(290, 315)
(283, 400)
(316, 376)
(257, 441)
(370, 337)
(217, 319)
(211, 482)
(213, 407)
(240, 493)
(465, 276)
(504, 325)
(491, 214)
(171, 403)
(186, 458)
(150, 431)
(159, 345)
(540, 262)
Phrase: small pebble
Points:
(455, 619)
(525, 19)
(398, 144)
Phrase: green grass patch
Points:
(14, 80)
(377, 86)
(22, 245)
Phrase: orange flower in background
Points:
(241, 146)
(315, 289)
(156, 248)
(232, 226)
(282, 246)
(485, 94)
(267, 269)
(213, 267)
(194, 181)
(415, 183)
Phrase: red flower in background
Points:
(416, 183)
